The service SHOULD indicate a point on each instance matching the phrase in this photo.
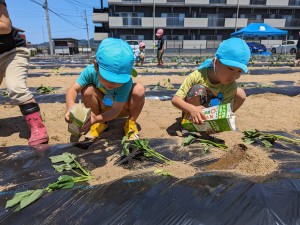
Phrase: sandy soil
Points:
(267, 112)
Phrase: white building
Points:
(193, 24)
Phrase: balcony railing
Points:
(132, 21)
(175, 22)
(216, 22)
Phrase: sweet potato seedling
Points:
(133, 148)
(66, 162)
(206, 144)
(267, 139)
(45, 89)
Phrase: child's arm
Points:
(196, 113)
(5, 23)
(71, 96)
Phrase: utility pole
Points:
(237, 14)
(87, 30)
(153, 26)
(48, 25)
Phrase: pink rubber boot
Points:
(37, 128)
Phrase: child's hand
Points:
(67, 117)
(197, 115)
(86, 127)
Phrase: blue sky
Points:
(29, 16)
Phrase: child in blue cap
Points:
(213, 82)
(107, 88)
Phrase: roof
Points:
(258, 30)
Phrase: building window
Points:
(131, 19)
(174, 19)
(132, 37)
(217, 1)
(258, 2)
(215, 20)
(294, 2)
(176, 1)
(131, 1)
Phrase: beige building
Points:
(193, 24)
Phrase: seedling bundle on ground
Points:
(206, 144)
(267, 139)
(139, 149)
(60, 163)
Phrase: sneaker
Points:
(95, 130)
(131, 128)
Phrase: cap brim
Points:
(235, 64)
(116, 78)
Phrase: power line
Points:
(75, 2)
(63, 18)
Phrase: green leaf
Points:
(24, 198)
(30, 199)
(62, 167)
(62, 182)
(124, 140)
(249, 140)
(267, 144)
(65, 157)
(188, 140)
(162, 172)
(17, 198)
(125, 149)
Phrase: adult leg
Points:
(16, 75)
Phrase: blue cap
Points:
(234, 52)
(231, 52)
(115, 60)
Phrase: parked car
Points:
(286, 46)
(133, 44)
(256, 47)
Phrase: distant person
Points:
(106, 87)
(14, 62)
(297, 62)
(139, 54)
(160, 46)
(213, 82)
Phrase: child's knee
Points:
(241, 94)
(88, 91)
(138, 90)
(197, 95)
(239, 99)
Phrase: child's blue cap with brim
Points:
(232, 52)
(115, 60)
